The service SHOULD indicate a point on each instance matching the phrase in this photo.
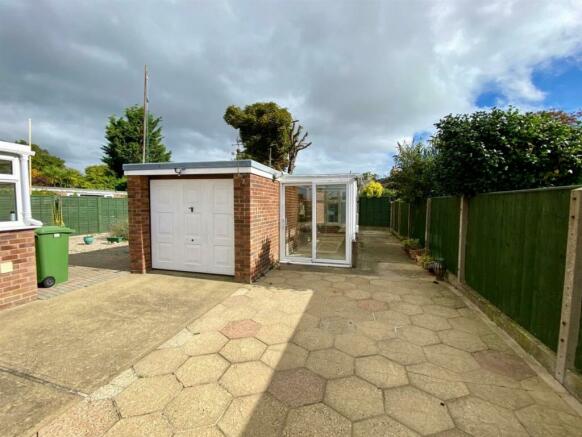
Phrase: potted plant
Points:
(88, 239)
(119, 232)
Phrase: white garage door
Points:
(192, 224)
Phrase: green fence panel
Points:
(374, 211)
(418, 220)
(86, 215)
(444, 230)
(515, 256)
(403, 219)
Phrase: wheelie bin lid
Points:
(53, 230)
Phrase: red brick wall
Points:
(19, 286)
(138, 206)
(256, 226)
(264, 225)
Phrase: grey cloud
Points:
(359, 75)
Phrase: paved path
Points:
(380, 351)
(90, 265)
(54, 352)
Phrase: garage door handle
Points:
(191, 208)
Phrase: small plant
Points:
(425, 260)
(58, 219)
(120, 229)
(411, 244)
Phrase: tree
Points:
(412, 176)
(297, 143)
(507, 150)
(373, 189)
(101, 177)
(268, 134)
(124, 137)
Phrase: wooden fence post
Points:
(409, 219)
(572, 295)
(463, 222)
(427, 224)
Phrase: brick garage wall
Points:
(138, 207)
(256, 226)
(18, 286)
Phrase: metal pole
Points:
(145, 112)
(30, 157)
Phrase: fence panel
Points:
(516, 246)
(403, 219)
(42, 208)
(374, 211)
(418, 220)
(444, 230)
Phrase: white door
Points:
(192, 224)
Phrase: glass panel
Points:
(7, 202)
(5, 166)
(331, 222)
(298, 219)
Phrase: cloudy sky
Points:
(359, 75)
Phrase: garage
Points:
(192, 225)
(204, 217)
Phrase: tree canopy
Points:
(268, 134)
(124, 137)
(412, 176)
(507, 150)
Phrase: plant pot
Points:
(88, 239)
(114, 239)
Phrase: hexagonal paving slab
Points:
(355, 345)
(243, 349)
(450, 358)
(354, 398)
(284, 356)
(479, 417)
(401, 351)
(160, 362)
(381, 371)
(277, 333)
(470, 325)
(202, 370)
(376, 330)
(462, 340)
(382, 426)
(430, 321)
(510, 398)
(371, 305)
(417, 410)
(417, 335)
(247, 378)
(441, 311)
(304, 420)
(147, 395)
(443, 389)
(330, 363)
(506, 364)
(205, 343)
(151, 424)
(393, 318)
(197, 406)
(297, 387)
(255, 415)
(240, 328)
(313, 339)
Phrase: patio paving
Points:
(379, 351)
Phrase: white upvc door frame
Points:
(349, 225)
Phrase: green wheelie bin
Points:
(52, 255)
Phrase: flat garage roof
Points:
(210, 167)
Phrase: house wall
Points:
(19, 286)
(256, 224)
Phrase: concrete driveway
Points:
(56, 351)
(379, 351)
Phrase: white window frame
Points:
(14, 179)
(19, 155)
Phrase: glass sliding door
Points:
(331, 222)
(299, 221)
